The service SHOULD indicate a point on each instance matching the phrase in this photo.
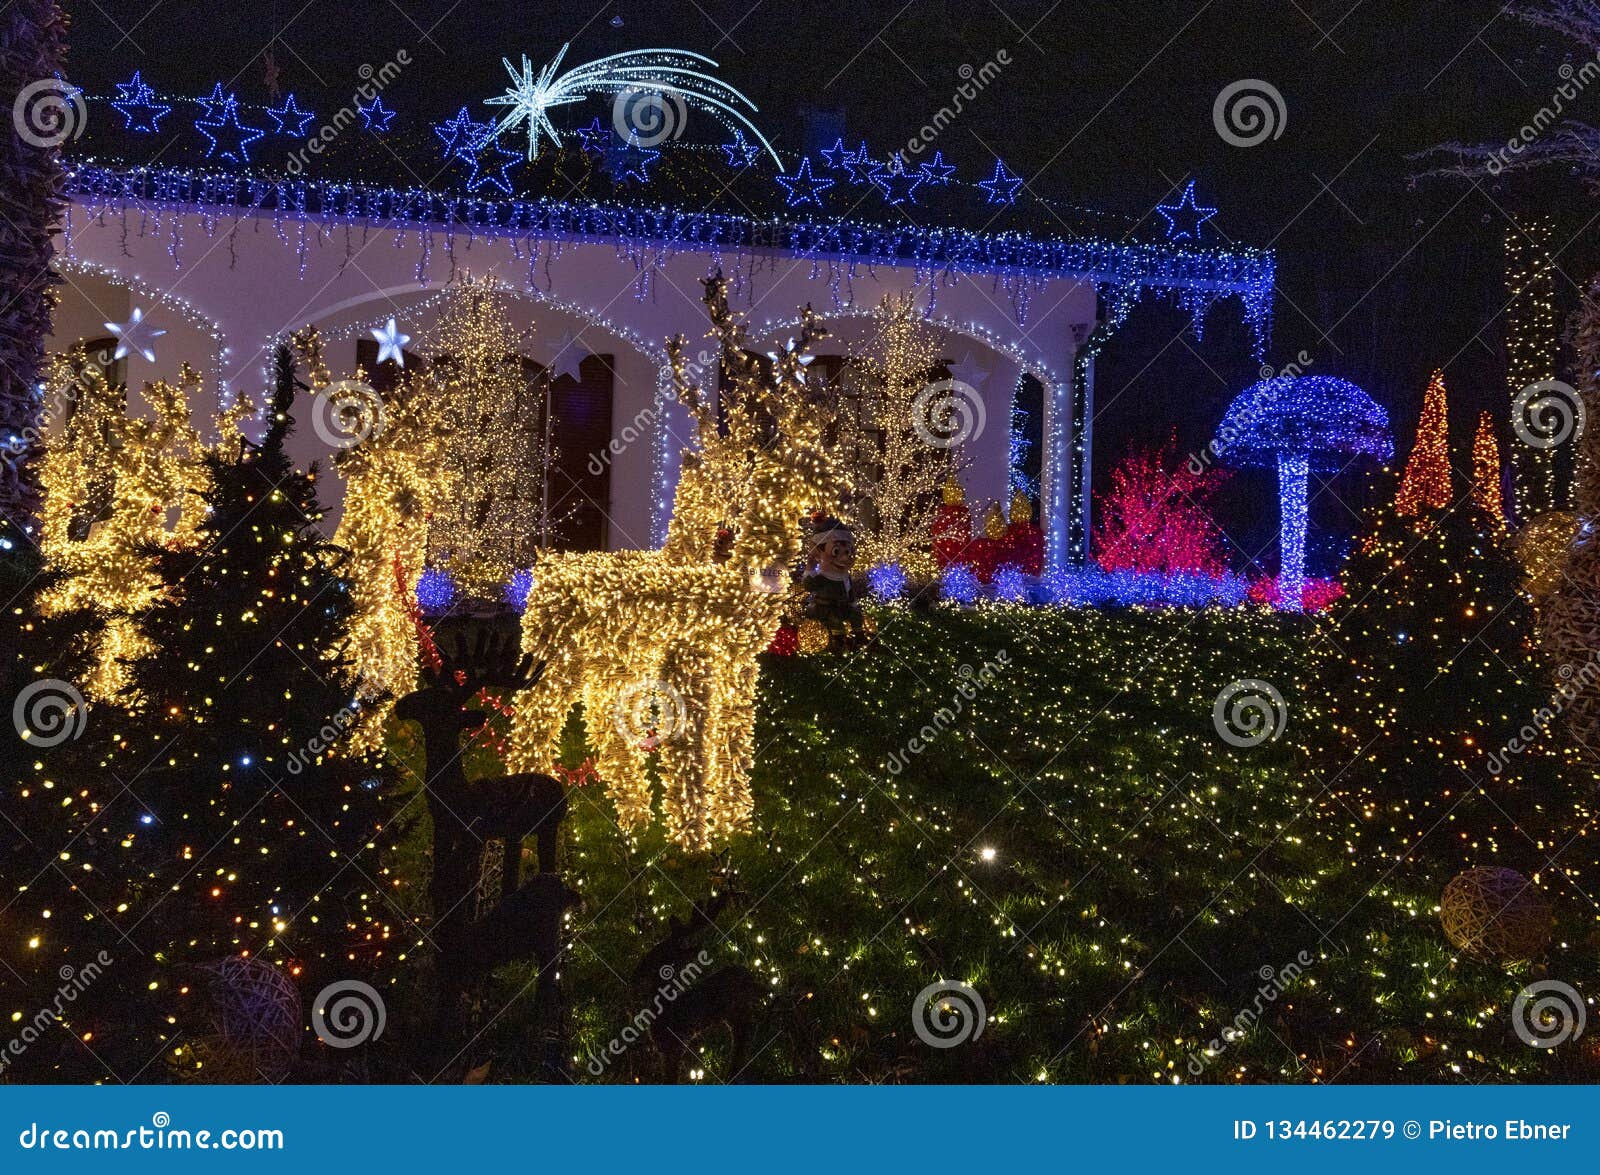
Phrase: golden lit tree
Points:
(895, 442)
(1425, 484)
(496, 454)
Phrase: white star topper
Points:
(134, 336)
(390, 342)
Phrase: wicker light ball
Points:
(1542, 547)
(255, 1023)
(1496, 914)
(813, 636)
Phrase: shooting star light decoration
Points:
(673, 73)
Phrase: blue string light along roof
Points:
(378, 159)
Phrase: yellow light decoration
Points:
(897, 474)
(660, 647)
(1425, 485)
(1532, 342)
(495, 455)
(115, 488)
(393, 480)
(1543, 546)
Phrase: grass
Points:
(1122, 887)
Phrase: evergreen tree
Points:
(263, 841)
(32, 48)
(1440, 699)
(60, 888)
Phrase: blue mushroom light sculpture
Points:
(1295, 424)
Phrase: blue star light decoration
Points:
(898, 185)
(216, 105)
(836, 154)
(936, 170)
(134, 337)
(290, 112)
(1185, 217)
(740, 153)
(804, 188)
(137, 104)
(391, 343)
(375, 117)
(595, 137)
(226, 137)
(630, 161)
(490, 162)
(861, 166)
(473, 143)
(1002, 186)
(458, 133)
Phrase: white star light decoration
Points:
(134, 337)
(674, 73)
(390, 342)
(569, 355)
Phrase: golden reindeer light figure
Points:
(660, 647)
(116, 487)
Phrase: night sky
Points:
(1107, 104)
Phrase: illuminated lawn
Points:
(1121, 886)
